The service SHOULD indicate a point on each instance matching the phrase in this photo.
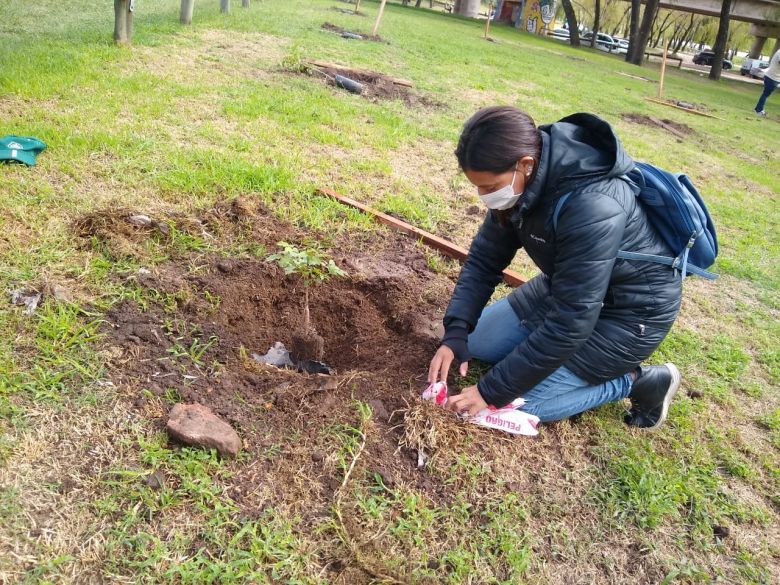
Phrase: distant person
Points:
(573, 337)
(771, 81)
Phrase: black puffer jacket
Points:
(597, 315)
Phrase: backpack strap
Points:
(668, 261)
(557, 211)
(676, 263)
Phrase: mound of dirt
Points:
(376, 86)
(351, 34)
(677, 128)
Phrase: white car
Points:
(604, 42)
(622, 48)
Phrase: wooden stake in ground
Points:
(357, 7)
(663, 71)
(224, 6)
(187, 7)
(123, 21)
(379, 16)
(487, 24)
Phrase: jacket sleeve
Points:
(491, 251)
(587, 240)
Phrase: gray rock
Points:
(195, 424)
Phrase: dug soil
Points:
(312, 443)
(192, 337)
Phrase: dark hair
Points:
(495, 138)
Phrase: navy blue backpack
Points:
(677, 211)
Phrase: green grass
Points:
(188, 117)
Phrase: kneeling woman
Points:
(573, 337)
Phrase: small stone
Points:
(318, 456)
(327, 383)
(155, 480)
(225, 266)
(378, 407)
(473, 210)
(140, 220)
(433, 564)
(720, 531)
(695, 393)
(195, 424)
(60, 293)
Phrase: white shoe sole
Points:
(673, 387)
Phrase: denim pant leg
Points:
(563, 394)
(560, 395)
(770, 85)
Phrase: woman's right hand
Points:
(440, 365)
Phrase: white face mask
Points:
(503, 198)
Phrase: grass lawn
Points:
(218, 134)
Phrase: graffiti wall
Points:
(539, 16)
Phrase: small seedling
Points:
(311, 265)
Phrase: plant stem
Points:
(306, 319)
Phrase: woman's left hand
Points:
(469, 400)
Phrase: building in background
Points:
(534, 16)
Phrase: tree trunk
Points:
(633, 29)
(187, 7)
(123, 21)
(639, 41)
(721, 39)
(571, 19)
(596, 23)
(244, 3)
(417, 4)
(469, 8)
(224, 6)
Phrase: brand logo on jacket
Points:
(537, 238)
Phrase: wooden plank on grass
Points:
(697, 112)
(446, 247)
(327, 65)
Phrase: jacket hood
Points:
(576, 151)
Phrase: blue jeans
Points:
(770, 85)
(560, 395)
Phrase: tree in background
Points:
(638, 43)
(721, 40)
(571, 19)
(633, 28)
(596, 23)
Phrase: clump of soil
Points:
(307, 345)
(376, 86)
(339, 30)
(648, 121)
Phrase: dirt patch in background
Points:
(678, 127)
(375, 85)
(334, 28)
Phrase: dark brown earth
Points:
(376, 86)
(202, 318)
(339, 30)
(647, 121)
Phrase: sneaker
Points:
(651, 395)
(761, 113)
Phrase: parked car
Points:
(604, 42)
(707, 57)
(757, 72)
(561, 34)
(750, 65)
(622, 48)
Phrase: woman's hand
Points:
(440, 365)
(469, 400)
